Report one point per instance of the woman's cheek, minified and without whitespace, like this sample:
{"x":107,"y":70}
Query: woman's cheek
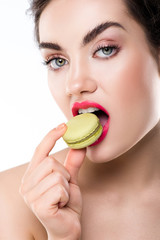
{"x":130,"y":85}
{"x":57,"y":89}
{"x":133,"y":96}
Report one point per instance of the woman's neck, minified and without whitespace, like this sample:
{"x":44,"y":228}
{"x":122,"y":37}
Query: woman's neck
{"x":133,"y":171}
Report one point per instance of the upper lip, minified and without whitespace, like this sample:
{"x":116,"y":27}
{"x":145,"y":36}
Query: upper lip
{"x":86,"y":104}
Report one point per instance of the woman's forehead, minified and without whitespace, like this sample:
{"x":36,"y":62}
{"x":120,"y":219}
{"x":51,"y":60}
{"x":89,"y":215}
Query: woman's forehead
{"x":62,"y":17}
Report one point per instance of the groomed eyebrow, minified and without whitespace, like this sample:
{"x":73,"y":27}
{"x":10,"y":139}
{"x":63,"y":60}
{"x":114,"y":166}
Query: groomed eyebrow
{"x":49,"y":45}
{"x":90,"y":36}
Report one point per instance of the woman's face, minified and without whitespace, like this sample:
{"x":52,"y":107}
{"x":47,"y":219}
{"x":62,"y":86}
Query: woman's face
{"x":98,"y":56}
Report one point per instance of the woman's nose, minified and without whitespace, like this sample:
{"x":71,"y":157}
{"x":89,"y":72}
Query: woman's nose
{"x":79,"y":81}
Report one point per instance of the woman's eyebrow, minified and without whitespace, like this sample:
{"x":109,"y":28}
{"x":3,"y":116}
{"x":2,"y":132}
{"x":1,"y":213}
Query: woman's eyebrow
{"x":90,"y":36}
{"x":50,"y":45}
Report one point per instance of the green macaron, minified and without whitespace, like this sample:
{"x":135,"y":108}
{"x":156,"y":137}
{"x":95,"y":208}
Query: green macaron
{"x":82,"y":130}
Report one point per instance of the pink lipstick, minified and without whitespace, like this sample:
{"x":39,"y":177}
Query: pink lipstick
{"x":100,"y":112}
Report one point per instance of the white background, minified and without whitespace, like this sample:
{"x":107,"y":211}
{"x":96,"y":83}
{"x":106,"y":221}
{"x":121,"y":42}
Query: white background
{"x":27,"y":110}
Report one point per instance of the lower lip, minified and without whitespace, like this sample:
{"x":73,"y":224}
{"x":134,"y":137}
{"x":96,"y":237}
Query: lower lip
{"x":103,"y":135}
{"x":86,"y":105}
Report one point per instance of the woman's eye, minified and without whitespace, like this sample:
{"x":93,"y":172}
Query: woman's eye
{"x":56,"y":63}
{"x":106,"y":52}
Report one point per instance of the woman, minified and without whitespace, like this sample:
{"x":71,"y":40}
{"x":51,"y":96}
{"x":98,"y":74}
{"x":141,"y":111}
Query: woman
{"x":102,"y":54}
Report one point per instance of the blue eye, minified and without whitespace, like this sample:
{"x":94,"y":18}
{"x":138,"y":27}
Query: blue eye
{"x":56,"y":63}
{"x":106,"y":51}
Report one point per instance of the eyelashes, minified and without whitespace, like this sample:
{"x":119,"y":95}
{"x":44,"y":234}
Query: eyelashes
{"x":104,"y":52}
{"x":55,"y":62}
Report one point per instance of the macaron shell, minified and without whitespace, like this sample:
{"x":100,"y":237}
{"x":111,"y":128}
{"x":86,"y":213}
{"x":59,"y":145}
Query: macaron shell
{"x":87,"y":142}
{"x":82,"y":131}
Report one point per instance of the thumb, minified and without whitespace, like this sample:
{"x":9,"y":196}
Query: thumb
{"x":73,"y":162}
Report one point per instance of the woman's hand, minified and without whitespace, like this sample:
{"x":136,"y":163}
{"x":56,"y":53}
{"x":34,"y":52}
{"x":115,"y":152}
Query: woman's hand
{"x":50,"y":189}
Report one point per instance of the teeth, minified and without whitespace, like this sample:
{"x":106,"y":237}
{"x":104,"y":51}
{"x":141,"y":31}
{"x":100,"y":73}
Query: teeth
{"x":90,"y":110}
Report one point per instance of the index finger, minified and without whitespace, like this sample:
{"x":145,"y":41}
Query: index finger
{"x":46,"y":145}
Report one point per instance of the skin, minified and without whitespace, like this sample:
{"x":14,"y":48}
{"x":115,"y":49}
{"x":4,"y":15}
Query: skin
{"x":116,"y":181}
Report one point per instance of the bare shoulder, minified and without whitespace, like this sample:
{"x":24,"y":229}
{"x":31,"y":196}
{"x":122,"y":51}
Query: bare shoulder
{"x":16,"y":220}
{"x":10,"y":181}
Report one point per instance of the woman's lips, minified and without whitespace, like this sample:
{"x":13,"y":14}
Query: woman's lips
{"x":88,"y":104}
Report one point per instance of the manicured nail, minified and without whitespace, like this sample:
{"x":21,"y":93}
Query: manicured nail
{"x":61,"y":126}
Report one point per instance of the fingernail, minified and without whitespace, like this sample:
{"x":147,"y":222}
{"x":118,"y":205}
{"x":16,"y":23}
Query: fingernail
{"x":61,"y":126}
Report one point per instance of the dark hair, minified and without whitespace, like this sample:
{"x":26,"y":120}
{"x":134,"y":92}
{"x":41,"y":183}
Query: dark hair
{"x":145,"y":12}
{"x":36,"y":8}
